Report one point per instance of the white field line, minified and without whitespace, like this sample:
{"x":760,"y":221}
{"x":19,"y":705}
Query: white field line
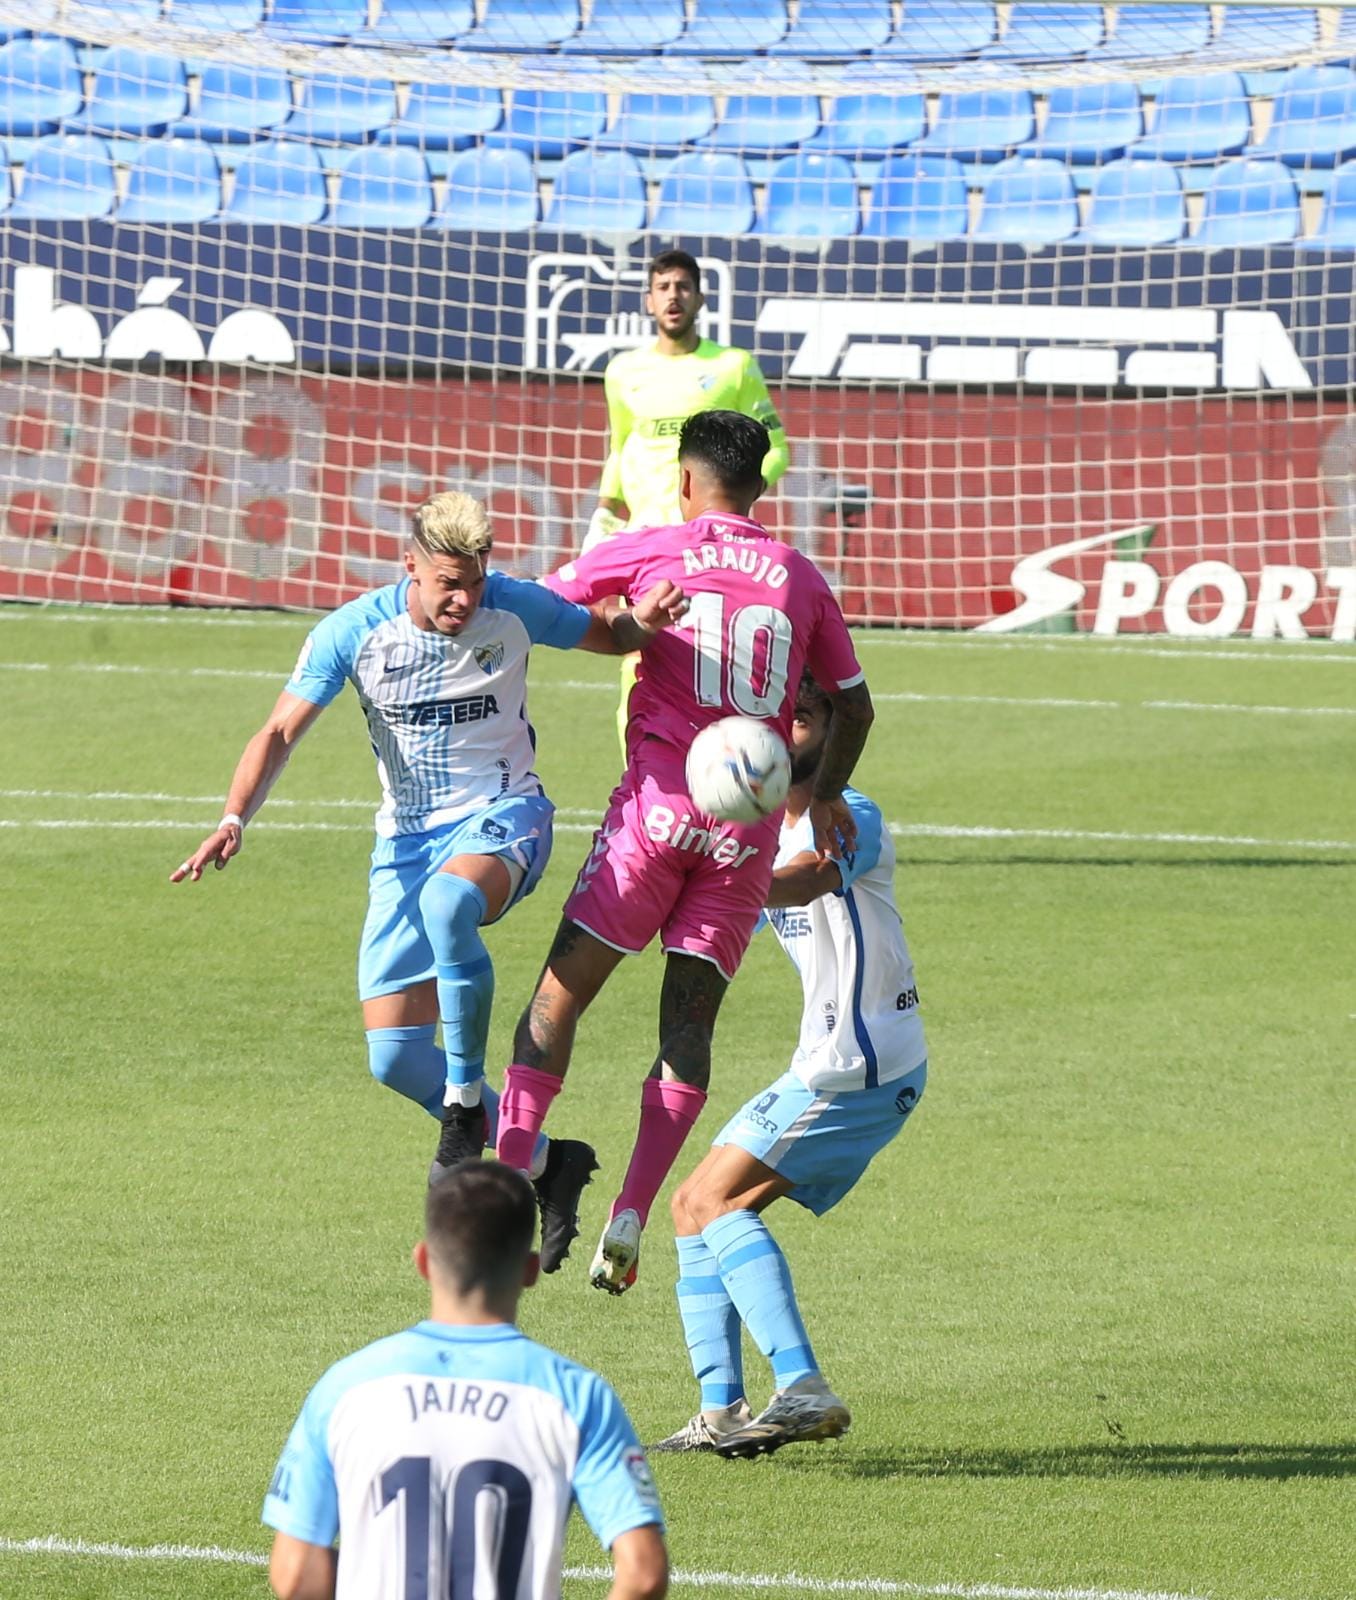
{"x":692,"y":1578}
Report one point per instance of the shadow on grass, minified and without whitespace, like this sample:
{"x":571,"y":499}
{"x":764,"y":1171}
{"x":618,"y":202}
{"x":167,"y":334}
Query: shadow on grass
{"x":1250,"y":862}
{"x":1273,"y":1461}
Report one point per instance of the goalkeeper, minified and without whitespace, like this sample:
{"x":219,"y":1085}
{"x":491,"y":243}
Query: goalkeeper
{"x":651,"y":392}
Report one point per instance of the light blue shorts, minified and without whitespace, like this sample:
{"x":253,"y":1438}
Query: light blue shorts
{"x":822,"y":1142}
{"x":394,"y":952}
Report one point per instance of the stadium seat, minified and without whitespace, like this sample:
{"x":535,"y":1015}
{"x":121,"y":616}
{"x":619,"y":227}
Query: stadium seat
{"x":706,"y":193}
{"x":280,"y":182}
{"x":628,"y":27}
{"x":418,"y":23}
{"x":6,"y":188}
{"x":1048,"y":33}
{"x":317,"y":21}
{"x":445,"y":116}
{"x":1028,"y":200}
{"x":761,"y":124}
{"x":1197,"y":119}
{"x":172,"y":180}
{"x":942,"y":30}
{"x":1346,"y":30}
{"x":835,"y":30}
{"x":384,"y":186}
{"x":134,"y":93}
{"x":549,"y":123}
{"x":38,"y":17}
{"x":1337,"y":226}
{"x":217,"y":16}
{"x":1134,"y":203}
{"x":488,"y":191}
{"x":731,"y":28}
{"x":126,"y":16}
{"x":527,"y":25}
{"x":921,"y":198}
{"x":1313,"y":123}
{"x":1258,"y":32}
{"x":341,"y":110}
{"x":597,"y":191}
{"x":40,"y":86}
{"x":660,"y":121}
{"x":236,"y":104}
{"x":810,"y":197}
{"x":980,"y":125}
{"x":67,"y":177}
{"x":1156,"y":33}
{"x":1248,"y":204}
{"x":1088,"y":124}
{"x":870,"y":124}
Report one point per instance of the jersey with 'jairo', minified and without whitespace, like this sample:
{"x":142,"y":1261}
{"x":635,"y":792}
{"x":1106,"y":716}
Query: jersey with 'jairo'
{"x":446,"y":1458}
{"x":447,"y":715}
{"x":861,"y":1024}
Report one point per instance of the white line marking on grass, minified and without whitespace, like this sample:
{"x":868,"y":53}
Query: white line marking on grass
{"x":692,"y":1578}
{"x":211,"y":616}
{"x":1333,"y":652}
{"x":1262,"y":711}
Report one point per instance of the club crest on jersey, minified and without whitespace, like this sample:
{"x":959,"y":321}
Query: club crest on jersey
{"x":490,"y":657}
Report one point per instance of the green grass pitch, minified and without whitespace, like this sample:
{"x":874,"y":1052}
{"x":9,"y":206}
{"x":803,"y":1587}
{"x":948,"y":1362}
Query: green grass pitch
{"x":1092,"y":1311}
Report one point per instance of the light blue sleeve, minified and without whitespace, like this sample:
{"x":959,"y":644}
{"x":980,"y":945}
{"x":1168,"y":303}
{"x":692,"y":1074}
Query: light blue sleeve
{"x":302,"y":1499}
{"x":549,"y":619}
{"x":326,"y":658}
{"x":613,"y":1486}
{"x":870,"y":827}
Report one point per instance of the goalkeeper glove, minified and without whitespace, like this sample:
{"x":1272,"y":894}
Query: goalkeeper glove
{"x":603,"y":524}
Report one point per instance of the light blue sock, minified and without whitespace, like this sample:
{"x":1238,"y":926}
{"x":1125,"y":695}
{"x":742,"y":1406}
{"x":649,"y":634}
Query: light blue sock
{"x":710,"y":1325}
{"x":408,"y":1061}
{"x":453,"y":909}
{"x":758,"y":1280}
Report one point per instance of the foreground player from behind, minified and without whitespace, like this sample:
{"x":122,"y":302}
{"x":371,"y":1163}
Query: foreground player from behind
{"x":858,"y":1072}
{"x":758,"y":612}
{"x":446,"y":1457}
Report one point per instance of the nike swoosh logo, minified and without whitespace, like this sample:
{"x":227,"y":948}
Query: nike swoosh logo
{"x":399,"y":667}
{"x":1049,"y":594}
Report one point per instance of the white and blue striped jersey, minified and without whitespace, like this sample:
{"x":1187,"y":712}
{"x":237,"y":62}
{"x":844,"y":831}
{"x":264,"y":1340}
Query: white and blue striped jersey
{"x":861,"y":1024}
{"x":447,"y":715}
{"x":447,"y":1459}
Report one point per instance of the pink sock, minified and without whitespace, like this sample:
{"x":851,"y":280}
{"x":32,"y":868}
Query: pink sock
{"x":523,"y":1105}
{"x":667,"y":1113}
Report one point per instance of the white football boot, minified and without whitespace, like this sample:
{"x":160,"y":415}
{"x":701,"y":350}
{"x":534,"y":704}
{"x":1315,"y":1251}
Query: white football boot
{"x":705,"y":1431}
{"x":805,"y":1409}
{"x":614,"y":1262}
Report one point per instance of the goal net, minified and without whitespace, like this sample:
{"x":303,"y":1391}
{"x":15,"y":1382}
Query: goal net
{"x":1054,"y":300}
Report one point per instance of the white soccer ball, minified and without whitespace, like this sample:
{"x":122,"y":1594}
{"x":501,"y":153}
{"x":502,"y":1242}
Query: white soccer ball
{"x":738,"y":770}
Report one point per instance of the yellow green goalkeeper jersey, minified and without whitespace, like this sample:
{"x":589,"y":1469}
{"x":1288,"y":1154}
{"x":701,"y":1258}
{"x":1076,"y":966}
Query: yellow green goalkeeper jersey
{"x":650,"y":396}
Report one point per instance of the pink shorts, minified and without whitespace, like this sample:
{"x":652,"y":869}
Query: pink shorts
{"x":658,"y":865}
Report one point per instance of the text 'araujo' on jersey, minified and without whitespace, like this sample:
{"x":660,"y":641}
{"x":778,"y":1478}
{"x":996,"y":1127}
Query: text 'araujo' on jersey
{"x":861,"y":1024}
{"x":450,"y":1458}
{"x":447,"y":714}
{"x":759,"y":613}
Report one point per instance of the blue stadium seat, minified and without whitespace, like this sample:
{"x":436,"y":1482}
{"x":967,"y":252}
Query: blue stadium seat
{"x":1346,"y":29}
{"x":1135,"y":203}
{"x":1197,"y":119}
{"x":980,"y":125}
{"x":628,"y":27}
{"x":810,"y":197}
{"x":384,"y":186}
{"x":6,"y":188}
{"x":280,"y":182}
{"x":217,"y":16}
{"x":39,"y":16}
{"x":1028,"y":200}
{"x":1313,"y":123}
{"x":704,"y":193}
{"x":341,"y":110}
{"x":40,"y":86}
{"x":518,"y":25}
{"x":318,"y":21}
{"x":662,"y":121}
{"x":921,"y":198}
{"x":942,"y":30}
{"x":1248,"y":204}
{"x":134,"y":93}
{"x":236,"y":104}
{"x":759,"y":124}
{"x":1257,"y":32}
{"x":1088,"y":124}
{"x":488,"y":191}
{"x":835,"y":30}
{"x":172,"y":180}
{"x":128,"y":15}
{"x":67,"y":177}
{"x":597,"y":191}
{"x":1156,"y":33}
{"x":549,"y":123}
{"x":418,"y":23}
{"x":1048,"y":33}
{"x":445,"y":116}
{"x":870,"y":124}
{"x":732,"y":28}
{"x":1337,"y":226}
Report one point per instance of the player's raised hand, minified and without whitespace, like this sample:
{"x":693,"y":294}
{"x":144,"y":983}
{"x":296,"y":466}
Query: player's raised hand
{"x":662,"y":606}
{"x":835,"y":829}
{"x":217,"y":847}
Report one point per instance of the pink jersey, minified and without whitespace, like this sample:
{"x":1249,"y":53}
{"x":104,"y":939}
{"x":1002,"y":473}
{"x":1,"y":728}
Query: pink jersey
{"x":760,"y":613}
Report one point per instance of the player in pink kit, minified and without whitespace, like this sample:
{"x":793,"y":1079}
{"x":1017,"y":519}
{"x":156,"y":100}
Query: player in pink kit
{"x":759,"y":613}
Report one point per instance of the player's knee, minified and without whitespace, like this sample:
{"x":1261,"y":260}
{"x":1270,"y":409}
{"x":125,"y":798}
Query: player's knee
{"x":693,"y":1205}
{"x":398,"y":1056}
{"x":452,"y":903}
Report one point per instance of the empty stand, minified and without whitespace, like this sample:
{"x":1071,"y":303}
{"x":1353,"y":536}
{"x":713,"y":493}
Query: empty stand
{"x":980,"y":125}
{"x":281,"y":182}
{"x":1048,"y":33}
{"x":1135,"y":204}
{"x":1249,"y":204}
{"x":1030,"y":201}
{"x":1337,"y":225}
{"x":941,"y":30}
{"x":762,"y":124}
{"x":317,"y":21}
{"x":337,"y":110}
{"x":731,"y":28}
{"x":835,"y":30}
{"x":420,"y":24}
{"x":661,"y":121}
{"x":629,"y":27}
{"x":218,"y":16}
{"x":40,"y":86}
{"x":1089,"y":124}
{"x":489,"y":191}
{"x":444,"y":116}
{"x":67,"y":177}
{"x":1155,"y":33}
{"x":599,"y":191}
{"x":172,"y":180}
{"x":1198,"y":119}
{"x":523,"y":25}
{"x":870,"y":124}
{"x":810,"y":197}
{"x":1313,"y":122}
{"x":920,"y":198}
{"x":705,"y":193}
{"x":384,"y":186}
{"x":135,"y":92}
{"x":236,"y":104}
{"x":549,"y":123}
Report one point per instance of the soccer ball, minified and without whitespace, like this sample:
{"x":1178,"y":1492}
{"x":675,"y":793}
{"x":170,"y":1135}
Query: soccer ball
{"x":738,"y":770}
